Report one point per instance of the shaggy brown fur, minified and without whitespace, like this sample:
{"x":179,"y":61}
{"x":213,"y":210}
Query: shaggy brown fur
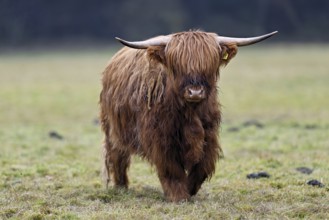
{"x":143,"y":111}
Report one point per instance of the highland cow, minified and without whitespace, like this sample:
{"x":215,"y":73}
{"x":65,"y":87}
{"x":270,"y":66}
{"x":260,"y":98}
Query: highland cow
{"x":159,"y":100}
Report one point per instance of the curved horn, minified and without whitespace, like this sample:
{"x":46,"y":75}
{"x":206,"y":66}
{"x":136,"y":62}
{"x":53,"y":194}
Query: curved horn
{"x":156,"y":41}
{"x":244,"y":41}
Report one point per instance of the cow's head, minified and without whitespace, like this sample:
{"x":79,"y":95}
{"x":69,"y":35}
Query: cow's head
{"x":193,"y":59}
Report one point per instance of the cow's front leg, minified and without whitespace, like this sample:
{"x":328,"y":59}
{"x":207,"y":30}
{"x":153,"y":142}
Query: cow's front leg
{"x":174,"y":182}
{"x":206,"y":166}
{"x":196,"y":177}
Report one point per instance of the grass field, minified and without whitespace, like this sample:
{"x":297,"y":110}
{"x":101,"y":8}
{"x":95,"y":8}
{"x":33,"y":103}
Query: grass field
{"x":276,"y":118}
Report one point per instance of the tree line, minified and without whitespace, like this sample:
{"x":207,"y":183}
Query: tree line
{"x":25,"y":22}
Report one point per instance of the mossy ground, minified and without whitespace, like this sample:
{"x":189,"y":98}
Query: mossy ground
{"x":281,"y":92}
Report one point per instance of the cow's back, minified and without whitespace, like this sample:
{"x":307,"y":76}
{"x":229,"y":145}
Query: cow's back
{"x":123,"y":75}
{"x":126,"y":85}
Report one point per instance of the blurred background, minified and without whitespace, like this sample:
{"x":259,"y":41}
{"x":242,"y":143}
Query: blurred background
{"x":274,"y":98}
{"x":40,"y":22}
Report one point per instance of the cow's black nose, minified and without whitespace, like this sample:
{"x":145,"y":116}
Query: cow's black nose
{"x":194,"y":94}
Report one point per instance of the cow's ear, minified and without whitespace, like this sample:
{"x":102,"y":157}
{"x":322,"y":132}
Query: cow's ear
{"x":227,"y":53}
{"x":157,"y":53}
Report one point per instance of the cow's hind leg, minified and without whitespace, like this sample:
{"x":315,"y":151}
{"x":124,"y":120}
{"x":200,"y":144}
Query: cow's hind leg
{"x":107,"y":167}
{"x":121,"y":162}
{"x":116,"y":159}
{"x":116,"y":164}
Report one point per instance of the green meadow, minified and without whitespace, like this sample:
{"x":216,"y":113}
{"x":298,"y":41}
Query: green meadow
{"x":275,"y":103}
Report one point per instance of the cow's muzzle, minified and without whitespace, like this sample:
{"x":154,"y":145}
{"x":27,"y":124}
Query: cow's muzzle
{"x":194,"y":93}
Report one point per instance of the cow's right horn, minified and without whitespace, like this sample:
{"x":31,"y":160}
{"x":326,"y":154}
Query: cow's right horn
{"x":156,"y":41}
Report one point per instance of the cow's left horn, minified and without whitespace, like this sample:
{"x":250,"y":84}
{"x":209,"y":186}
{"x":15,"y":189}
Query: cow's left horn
{"x":156,"y":41}
{"x":243,"y":41}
